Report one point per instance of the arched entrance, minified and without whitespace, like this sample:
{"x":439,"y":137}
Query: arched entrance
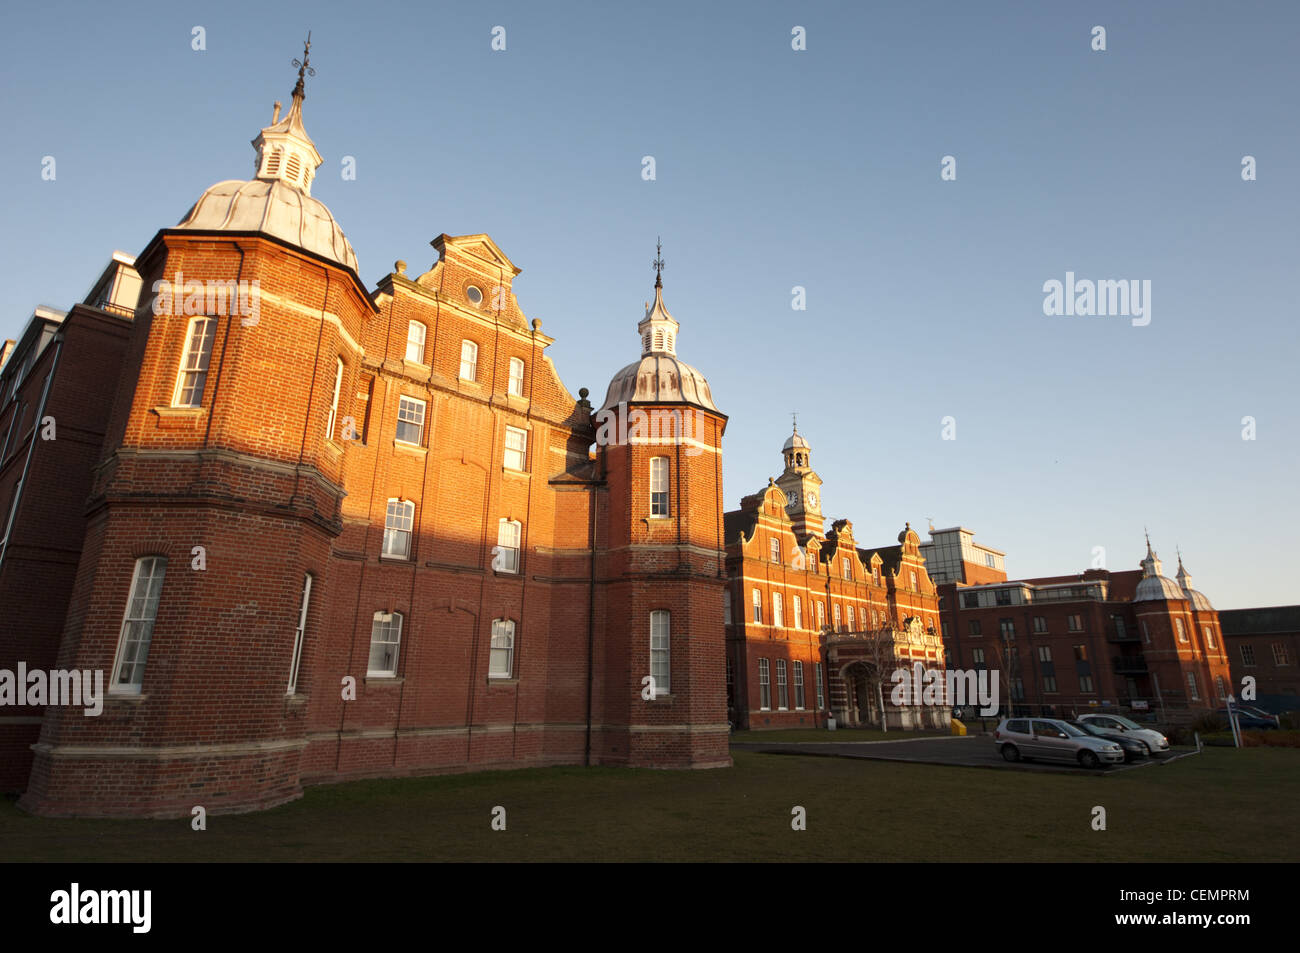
{"x":862,"y":708}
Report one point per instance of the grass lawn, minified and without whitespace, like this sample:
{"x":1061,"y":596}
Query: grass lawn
{"x":1222,"y":805}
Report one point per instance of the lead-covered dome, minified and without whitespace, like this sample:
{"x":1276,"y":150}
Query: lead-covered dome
{"x":1152,"y":585}
{"x":277,"y":200}
{"x":1197,"y":599}
{"x":275,"y":209}
{"x":660,"y":377}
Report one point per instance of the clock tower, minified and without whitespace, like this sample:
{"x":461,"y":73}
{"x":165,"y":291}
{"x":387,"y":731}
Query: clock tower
{"x":802,"y":487}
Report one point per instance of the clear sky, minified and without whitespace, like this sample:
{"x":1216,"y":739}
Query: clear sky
{"x":774,"y":169}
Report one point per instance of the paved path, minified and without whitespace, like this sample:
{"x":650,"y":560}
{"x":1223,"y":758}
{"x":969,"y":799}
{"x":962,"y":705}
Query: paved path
{"x":973,"y":751}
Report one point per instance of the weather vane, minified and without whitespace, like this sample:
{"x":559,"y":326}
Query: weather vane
{"x":658,"y":263}
{"x":794,"y":416}
{"x":304,"y":66}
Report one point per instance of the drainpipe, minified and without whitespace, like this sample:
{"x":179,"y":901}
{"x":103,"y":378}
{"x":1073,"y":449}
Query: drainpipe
{"x":31,"y":447}
{"x":591,"y":620}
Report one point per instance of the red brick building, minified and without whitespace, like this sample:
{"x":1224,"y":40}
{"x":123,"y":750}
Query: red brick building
{"x":1265,"y":644}
{"x":313,"y":531}
{"x":1129,"y":641}
{"x":815,"y":624}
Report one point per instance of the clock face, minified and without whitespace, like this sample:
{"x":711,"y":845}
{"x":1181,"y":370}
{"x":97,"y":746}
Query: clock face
{"x":793,"y":498}
{"x":812,"y":499}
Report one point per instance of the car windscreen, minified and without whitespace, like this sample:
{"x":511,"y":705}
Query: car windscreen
{"x":1125,"y":722}
{"x":1088,"y":729}
{"x":1072,"y":731}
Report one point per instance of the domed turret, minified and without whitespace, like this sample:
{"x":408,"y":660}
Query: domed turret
{"x":660,"y":377}
{"x":1197,"y":599}
{"x":277,"y":201}
{"x":797,"y":451}
{"x":1152,"y":585}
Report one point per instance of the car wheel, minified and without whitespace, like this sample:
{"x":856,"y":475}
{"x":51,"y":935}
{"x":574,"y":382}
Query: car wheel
{"x":1146,"y":749}
{"x":1011,"y":752}
{"x":1088,"y":759}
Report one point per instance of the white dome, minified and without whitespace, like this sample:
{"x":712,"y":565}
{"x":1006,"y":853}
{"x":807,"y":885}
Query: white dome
{"x":796,"y":440}
{"x":1157,"y":587}
{"x":660,"y":378}
{"x":274,"y":209}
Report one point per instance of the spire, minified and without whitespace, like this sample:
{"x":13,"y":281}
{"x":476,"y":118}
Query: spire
{"x":658,"y":329}
{"x":1150,"y":565}
{"x":285,"y":153}
{"x":1184,"y":577}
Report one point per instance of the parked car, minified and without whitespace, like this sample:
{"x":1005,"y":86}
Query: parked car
{"x":1053,"y":740}
{"x":1134,"y":750}
{"x":1156,"y":742}
{"x":1246,"y":720}
{"x":1258,"y":713}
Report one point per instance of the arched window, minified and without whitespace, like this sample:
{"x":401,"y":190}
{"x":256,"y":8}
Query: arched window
{"x":334,"y":402}
{"x":468,"y":361}
{"x":502,"y":654}
{"x":415,"y":332}
{"x":506,"y":554}
{"x":398,"y":524}
{"x":194,"y":363}
{"x":660,"y":626}
{"x":385,"y":638}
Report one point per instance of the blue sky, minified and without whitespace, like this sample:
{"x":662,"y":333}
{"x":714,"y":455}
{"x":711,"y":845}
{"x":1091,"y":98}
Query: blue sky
{"x":778,"y":168}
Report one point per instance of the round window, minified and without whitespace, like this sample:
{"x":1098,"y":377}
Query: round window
{"x":475,"y":296}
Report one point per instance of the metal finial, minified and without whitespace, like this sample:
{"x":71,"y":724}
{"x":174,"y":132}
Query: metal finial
{"x":658,"y":264}
{"x":303,"y":67}
{"x":794,"y":416}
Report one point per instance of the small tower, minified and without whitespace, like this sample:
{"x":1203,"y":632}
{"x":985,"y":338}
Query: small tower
{"x":802,"y":487}
{"x":658,"y":437}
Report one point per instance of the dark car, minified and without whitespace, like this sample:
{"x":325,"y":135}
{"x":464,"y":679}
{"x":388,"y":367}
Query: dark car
{"x":1247,"y":721}
{"x":1134,"y":750}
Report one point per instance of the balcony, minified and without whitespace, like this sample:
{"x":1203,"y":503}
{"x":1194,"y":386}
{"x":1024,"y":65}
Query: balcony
{"x":1130,"y":665}
{"x":1129,"y":635}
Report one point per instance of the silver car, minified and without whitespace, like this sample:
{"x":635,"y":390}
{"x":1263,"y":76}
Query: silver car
{"x":1053,"y":740}
{"x":1156,"y":742}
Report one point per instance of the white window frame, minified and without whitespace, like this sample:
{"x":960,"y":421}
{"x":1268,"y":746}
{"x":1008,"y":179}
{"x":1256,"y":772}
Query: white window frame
{"x":416,"y":334}
{"x":510,"y":534}
{"x":799,"y":697}
{"x":764,"y":686}
{"x":1208,"y":632}
{"x":515,"y":384}
{"x":334,"y":402}
{"x":756,"y":600}
{"x":660,"y":499}
{"x":137,"y":624}
{"x":778,"y":610}
{"x":468,"y":360}
{"x":502,"y":647}
{"x":850,"y":617}
{"x":798,"y":612}
{"x":821,"y":615}
{"x":821,"y":695}
{"x":408,"y":406}
{"x":399,"y":526}
{"x":298,"y":636}
{"x":516,"y":458}
{"x":385,"y":624}
{"x":195,"y":360}
{"x":661,"y":651}
{"x":774,"y":550}
{"x":835,"y":615}
{"x":1194,"y":690}
{"x":1180,"y":629}
{"x":782,"y":689}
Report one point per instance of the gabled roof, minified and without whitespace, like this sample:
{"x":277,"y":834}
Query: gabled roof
{"x":481,"y":247}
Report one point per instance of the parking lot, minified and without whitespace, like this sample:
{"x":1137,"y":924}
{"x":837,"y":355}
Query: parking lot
{"x":972,"y":751}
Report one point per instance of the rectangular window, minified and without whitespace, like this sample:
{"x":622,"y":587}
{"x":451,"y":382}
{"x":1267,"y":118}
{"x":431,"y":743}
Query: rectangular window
{"x":1182,"y":632}
{"x":821,"y":696}
{"x":990,"y":560}
{"x":1209,"y":636}
{"x":415,"y":342}
{"x":764,"y":686}
{"x":798,"y":686}
{"x":1146,"y":635}
{"x":947,"y":632}
{"x":1120,"y":630}
{"x":1192,"y":691}
{"x":778,"y":610}
{"x":848,"y":568}
{"x":298,"y":636}
{"x":915,"y":585}
{"x":1085,"y":684}
{"x":852,"y":624}
{"x":334,"y":403}
{"x":875,"y":576}
{"x":782,"y":700}
{"x":1044,"y":653}
{"x":975,"y":627}
{"x":821,"y":615}
{"x":835,"y":611}
{"x":385,"y":637}
{"x":658,"y":486}
{"x":1248,"y":655}
{"x":1040,"y":624}
{"x":874,"y":620}
{"x":137,"y":624}
{"x":410,"y":420}
{"x":194,"y":364}
{"x":1280,"y":654}
{"x":1007,"y":627}
{"x":516,"y":386}
{"x":507,"y":551}
{"x":1002,"y":597}
{"x":775,"y":549}
{"x":970,"y":600}
{"x":1075,"y":623}
{"x":757,"y":599}
{"x":516,"y":449}
{"x":659,"y":632}
{"x":399,"y":521}
{"x":1219,"y":687}
{"x":501,"y":654}
{"x":977,"y":658}
{"x":1049,"y":684}
{"x":468,"y":361}
{"x":726,"y":607}
{"x":798,"y":613}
